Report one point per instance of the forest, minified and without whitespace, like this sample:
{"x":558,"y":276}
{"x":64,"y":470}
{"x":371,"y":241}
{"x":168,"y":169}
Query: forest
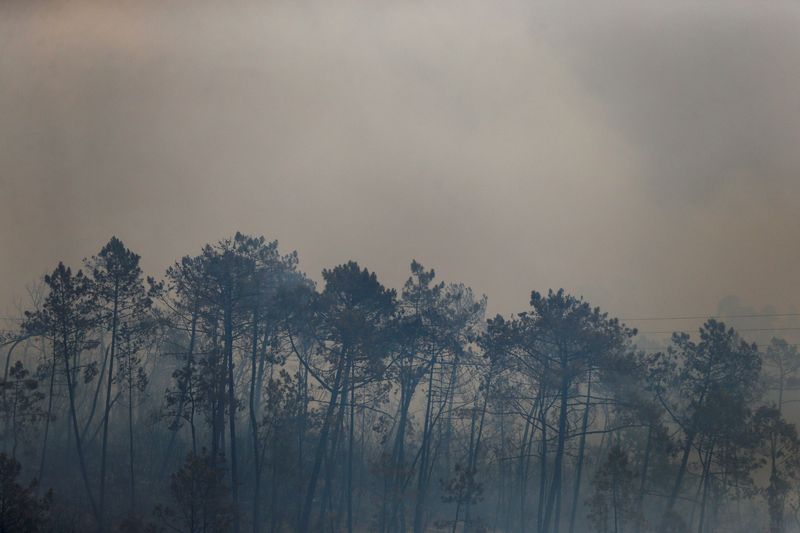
{"x":232,"y":393}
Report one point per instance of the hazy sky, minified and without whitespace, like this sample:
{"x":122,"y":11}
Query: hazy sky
{"x":643,"y":154}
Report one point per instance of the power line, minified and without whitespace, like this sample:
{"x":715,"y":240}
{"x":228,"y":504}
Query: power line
{"x":737,"y":329}
{"x":703,"y":317}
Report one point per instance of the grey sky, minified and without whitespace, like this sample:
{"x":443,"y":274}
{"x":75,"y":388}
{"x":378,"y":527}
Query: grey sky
{"x":643,"y":154}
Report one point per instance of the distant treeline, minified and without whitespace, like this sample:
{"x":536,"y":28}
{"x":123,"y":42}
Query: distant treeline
{"x":234,"y":394}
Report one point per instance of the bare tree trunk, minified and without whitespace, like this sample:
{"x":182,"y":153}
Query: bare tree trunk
{"x":524,"y":453}
{"x":254,"y":424}
{"x":581,"y":448}
{"x":615,"y":501}
{"x":553,"y":510}
{"x":396,"y":479}
{"x":96,"y":396}
{"x":47,"y":420}
{"x":130,"y":434}
{"x":182,"y":399}
{"x":643,"y":482}
{"x":107,"y":410}
{"x":676,"y":487}
{"x":301,"y":442}
{"x":330,"y":461}
{"x":350,"y":461}
{"x":427,"y":428}
{"x":78,"y":444}
{"x":543,"y":411}
{"x":706,"y":477}
{"x":232,"y":408}
{"x":320,"y":451}
{"x":475,"y":450}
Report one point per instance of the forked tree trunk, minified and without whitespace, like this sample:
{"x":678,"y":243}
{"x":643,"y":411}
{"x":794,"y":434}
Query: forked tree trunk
{"x":319,"y":454}
{"x":581,"y":449}
{"x":74,"y":417}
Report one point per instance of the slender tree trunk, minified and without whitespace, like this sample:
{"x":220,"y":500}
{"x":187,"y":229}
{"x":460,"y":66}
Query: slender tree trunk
{"x":218,"y":366}
{"x":130,"y":435}
{"x":192,"y":427}
{"x":13,"y":418}
{"x":107,"y":410}
{"x":232,"y":407}
{"x":475,"y":450}
{"x":776,"y":494}
{"x":182,"y":400}
{"x":254,"y":424}
{"x":615,"y":501}
{"x":676,"y":487}
{"x":47,"y":420}
{"x":522,"y":471}
{"x":466,"y":495}
{"x":576,"y":491}
{"x":350,"y":461}
{"x":320,"y":451}
{"x":503,"y":498}
{"x":330,"y":461}
{"x":301,"y":443}
{"x":96,"y":396}
{"x":687,"y":449}
{"x":422,"y":484}
{"x":542,"y":469}
{"x":643,"y":481}
{"x":273,"y":500}
{"x":78,"y":444}
{"x":706,"y":477}
{"x":262,"y":358}
{"x":448,"y":428}
{"x":397,"y":475}
{"x":553,"y":510}
{"x":455,"y":519}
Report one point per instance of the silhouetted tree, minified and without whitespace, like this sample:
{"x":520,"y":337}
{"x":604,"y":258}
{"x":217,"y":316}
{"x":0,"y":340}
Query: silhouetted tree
{"x":67,"y":317}
{"x":707,"y":388}
{"x":20,"y":509}
{"x":201,"y":501}
{"x":613,"y":504}
{"x":780,"y":448}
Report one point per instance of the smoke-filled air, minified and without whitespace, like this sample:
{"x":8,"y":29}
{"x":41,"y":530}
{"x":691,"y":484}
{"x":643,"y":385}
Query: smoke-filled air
{"x":399,"y":266}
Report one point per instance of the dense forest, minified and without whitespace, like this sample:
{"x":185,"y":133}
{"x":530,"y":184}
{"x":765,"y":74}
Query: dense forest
{"x":232,"y":393}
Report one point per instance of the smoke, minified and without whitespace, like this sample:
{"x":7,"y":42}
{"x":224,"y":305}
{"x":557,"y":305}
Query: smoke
{"x":641,"y":154}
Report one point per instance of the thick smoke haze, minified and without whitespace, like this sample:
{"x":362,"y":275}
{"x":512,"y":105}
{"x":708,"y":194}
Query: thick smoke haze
{"x":643,"y":154}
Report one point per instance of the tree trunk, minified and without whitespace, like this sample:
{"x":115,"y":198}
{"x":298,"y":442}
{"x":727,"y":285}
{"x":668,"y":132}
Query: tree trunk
{"x":107,"y":410}
{"x":397,"y":475}
{"x":350,"y":462}
{"x":254,"y":424}
{"x":232,"y":408}
{"x":524,"y":461}
{"x":330,"y":461}
{"x":182,"y":400}
{"x":78,"y":444}
{"x":676,"y":487}
{"x":422,"y":484}
{"x":553,"y":510}
{"x":96,"y":396}
{"x":475,"y":450}
{"x":319,"y":454}
{"x":706,"y":478}
{"x":581,"y":448}
{"x":542,"y":468}
{"x":130,"y":435}
{"x":47,"y":421}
